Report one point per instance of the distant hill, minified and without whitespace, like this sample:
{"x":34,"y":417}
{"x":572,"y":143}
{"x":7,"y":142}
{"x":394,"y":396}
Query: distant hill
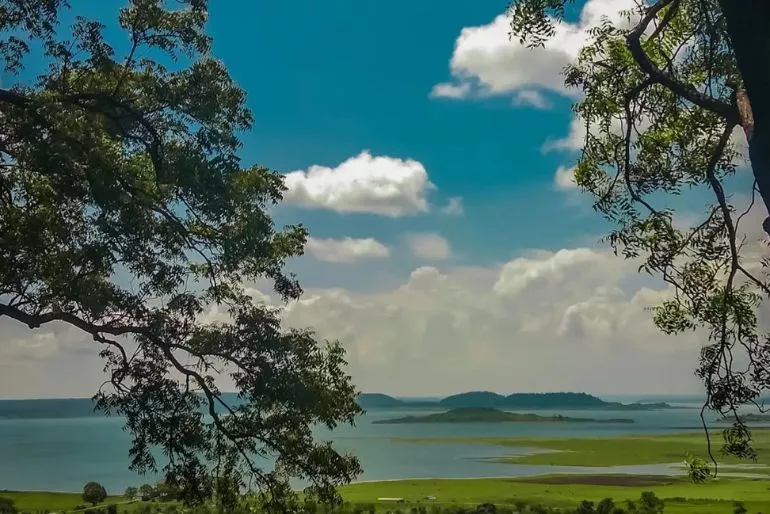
{"x":542,"y":401}
{"x":47,"y":408}
{"x":56,"y":408}
{"x":491,"y":415}
{"x":377,"y":400}
{"x":582,"y":400}
{"x":384,"y":401}
{"x":474,"y":399}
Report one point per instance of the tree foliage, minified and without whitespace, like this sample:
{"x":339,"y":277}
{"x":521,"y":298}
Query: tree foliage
{"x":125,"y":212}
{"x":94,"y":492}
{"x":663,"y":92}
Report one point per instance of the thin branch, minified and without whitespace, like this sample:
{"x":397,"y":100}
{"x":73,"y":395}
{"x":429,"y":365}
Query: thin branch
{"x":686,"y":91}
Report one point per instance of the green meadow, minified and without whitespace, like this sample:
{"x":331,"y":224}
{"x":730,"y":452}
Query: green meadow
{"x":34,"y":501}
{"x":679,"y":495}
{"x":614,"y":451}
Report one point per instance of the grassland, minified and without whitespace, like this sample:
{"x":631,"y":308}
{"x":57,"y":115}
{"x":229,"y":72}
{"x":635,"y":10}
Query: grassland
{"x":33,"y":501}
{"x":679,"y":495}
{"x":614,"y":451}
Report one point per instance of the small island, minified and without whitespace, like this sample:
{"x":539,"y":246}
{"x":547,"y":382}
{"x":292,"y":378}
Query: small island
{"x":748,"y":418}
{"x":491,"y":415}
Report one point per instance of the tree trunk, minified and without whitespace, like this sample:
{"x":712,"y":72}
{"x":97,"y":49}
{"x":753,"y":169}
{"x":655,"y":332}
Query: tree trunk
{"x":748,"y":22}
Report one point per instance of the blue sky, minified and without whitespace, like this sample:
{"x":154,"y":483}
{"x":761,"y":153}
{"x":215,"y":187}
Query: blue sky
{"x":345,"y":76}
{"x":513,"y":292}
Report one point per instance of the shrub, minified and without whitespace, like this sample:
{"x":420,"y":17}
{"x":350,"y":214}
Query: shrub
{"x":486,"y":508}
{"x":112,"y":509}
{"x":697,"y":469}
{"x":7,"y":506}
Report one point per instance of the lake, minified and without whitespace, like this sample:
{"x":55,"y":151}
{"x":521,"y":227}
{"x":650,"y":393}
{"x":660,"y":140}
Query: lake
{"x":62,"y":454}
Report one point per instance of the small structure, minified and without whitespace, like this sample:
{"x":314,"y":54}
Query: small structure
{"x":400,"y":500}
{"x":430,"y":497}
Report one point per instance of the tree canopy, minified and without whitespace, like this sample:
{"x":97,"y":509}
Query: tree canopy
{"x":125,"y":212}
{"x":662,"y":94}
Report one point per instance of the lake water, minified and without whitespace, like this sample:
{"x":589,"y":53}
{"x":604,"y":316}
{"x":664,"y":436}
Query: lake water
{"x":62,"y":454}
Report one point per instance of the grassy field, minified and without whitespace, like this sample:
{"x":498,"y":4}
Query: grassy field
{"x":33,"y":501}
{"x":565,"y":491}
{"x":615,"y":451}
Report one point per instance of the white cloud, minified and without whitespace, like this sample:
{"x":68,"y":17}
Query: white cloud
{"x":486,"y":61}
{"x":531,"y":98}
{"x":429,"y":246}
{"x":346,"y":250}
{"x":564,"y":178}
{"x":447,"y":90}
{"x":571,"y":320}
{"x":365,"y":183}
{"x":567,"y":320}
{"x":454,"y":207}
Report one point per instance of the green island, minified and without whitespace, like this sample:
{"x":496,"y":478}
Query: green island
{"x":492,"y":415}
{"x":747,"y":418}
{"x":522,"y":401}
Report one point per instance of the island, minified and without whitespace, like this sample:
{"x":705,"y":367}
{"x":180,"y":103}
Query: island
{"x":518,"y":401}
{"x":748,"y":418}
{"x":491,"y":415}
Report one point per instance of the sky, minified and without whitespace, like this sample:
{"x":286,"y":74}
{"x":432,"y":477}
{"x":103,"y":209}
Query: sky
{"x":431,"y":158}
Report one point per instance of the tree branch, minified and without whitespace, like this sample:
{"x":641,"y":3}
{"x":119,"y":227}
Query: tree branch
{"x":686,"y":91}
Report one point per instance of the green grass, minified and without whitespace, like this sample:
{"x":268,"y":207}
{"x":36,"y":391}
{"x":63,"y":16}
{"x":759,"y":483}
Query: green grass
{"x":614,"y":451}
{"x":680,"y":496}
{"x":32,"y":501}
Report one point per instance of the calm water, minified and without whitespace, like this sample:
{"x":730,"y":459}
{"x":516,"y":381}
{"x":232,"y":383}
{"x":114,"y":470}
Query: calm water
{"x":62,"y":454}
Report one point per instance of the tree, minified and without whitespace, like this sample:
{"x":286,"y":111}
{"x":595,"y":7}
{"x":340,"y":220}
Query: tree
{"x":146,"y":492}
{"x":663,"y":92}
{"x":131,"y":492}
{"x":94,"y":492}
{"x":125,"y":212}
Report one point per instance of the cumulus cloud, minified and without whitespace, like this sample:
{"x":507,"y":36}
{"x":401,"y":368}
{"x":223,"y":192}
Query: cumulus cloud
{"x":382,"y":185}
{"x":429,"y":246}
{"x":346,"y":250}
{"x":573,"y":319}
{"x":485,"y":60}
{"x":566,"y":320}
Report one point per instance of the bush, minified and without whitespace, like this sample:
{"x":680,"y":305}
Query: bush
{"x":7,"y":506}
{"x":486,"y":508}
{"x":697,"y":469}
{"x":112,"y":509}
{"x":94,"y":492}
